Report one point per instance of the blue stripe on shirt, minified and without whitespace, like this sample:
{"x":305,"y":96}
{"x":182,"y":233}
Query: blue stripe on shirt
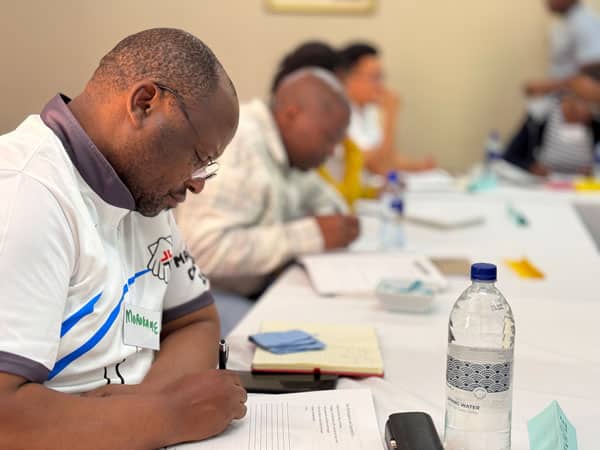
{"x":62,"y":363}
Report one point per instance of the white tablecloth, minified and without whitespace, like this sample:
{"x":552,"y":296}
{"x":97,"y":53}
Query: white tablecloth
{"x":557,"y":354}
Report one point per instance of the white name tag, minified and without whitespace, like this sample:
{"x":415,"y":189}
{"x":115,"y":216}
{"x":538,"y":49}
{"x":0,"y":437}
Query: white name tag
{"x":141,"y":327}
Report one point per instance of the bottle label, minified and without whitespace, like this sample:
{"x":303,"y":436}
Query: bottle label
{"x":479,"y":379}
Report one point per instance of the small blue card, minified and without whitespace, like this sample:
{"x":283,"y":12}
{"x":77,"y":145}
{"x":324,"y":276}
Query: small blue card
{"x":551,"y":430}
{"x":292,"y":341}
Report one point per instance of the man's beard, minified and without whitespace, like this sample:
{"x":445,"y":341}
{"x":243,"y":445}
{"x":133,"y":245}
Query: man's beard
{"x":148,"y":204}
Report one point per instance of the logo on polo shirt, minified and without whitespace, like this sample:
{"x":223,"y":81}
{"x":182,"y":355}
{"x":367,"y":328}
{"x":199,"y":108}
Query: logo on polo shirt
{"x":163,"y":261}
{"x":160,"y":261}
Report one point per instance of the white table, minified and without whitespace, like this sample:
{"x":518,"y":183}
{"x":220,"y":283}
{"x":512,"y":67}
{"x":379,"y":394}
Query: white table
{"x":557,"y":352}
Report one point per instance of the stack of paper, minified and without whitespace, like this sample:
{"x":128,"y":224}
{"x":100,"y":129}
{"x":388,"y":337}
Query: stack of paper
{"x":321,"y":420}
{"x":361,"y":272}
{"x":351,"y":350}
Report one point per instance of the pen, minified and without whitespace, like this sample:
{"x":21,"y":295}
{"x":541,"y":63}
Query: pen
{"x":518,"y":217}
{"x":223,"y":354}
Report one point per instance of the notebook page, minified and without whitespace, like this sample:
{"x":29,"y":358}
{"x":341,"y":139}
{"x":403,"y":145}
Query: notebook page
{"x":349,"y":349}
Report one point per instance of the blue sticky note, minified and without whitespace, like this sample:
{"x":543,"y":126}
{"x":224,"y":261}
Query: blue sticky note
{"x":275,"y":338}
{"x":551,"y":430}
{"x":317,"y":345}
{"x":292,"y":341}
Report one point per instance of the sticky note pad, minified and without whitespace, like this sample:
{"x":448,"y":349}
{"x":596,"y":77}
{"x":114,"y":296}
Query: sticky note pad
{"x":289,"y":341}
{"x":525,"y":268}
{"x":551,"y":430}
{"x":587,"y":185}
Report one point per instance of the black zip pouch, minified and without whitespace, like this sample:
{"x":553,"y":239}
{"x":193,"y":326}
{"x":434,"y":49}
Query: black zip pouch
{"x":411,"y":431}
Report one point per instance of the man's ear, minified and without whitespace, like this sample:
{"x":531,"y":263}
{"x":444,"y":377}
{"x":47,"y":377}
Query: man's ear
{"x":290,"y":113}
{"x":142,"y":99}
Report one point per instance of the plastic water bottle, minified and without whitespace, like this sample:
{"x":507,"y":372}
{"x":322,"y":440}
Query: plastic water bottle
{"x":493,"y":152}
{"x":393,"y":189}
{"x":479,"y":372}
{"x":597,"y":162}
{"x":392,"y":225}
{"x":392,"y":214}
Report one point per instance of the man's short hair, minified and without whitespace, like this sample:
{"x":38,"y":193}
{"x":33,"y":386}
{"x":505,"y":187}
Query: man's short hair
{"x":308,"y":54}
{"x":352,"y":53}
{"x":170,"y":56}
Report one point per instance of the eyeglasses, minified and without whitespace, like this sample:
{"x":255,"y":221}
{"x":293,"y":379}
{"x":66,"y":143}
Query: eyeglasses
{"x":208,"y":170}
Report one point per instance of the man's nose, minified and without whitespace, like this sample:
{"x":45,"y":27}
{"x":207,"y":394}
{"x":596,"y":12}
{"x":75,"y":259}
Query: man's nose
{"x":195,"y":185}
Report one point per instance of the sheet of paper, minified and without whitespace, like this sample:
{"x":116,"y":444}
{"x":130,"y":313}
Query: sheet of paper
{"x":432,"y":215}
{"x":321,"y":420}
{"x":360,"y":272}
{"x":435,"y":180}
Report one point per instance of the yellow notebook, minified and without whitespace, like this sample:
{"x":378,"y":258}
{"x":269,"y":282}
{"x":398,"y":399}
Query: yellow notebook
{"x":351,"y":350}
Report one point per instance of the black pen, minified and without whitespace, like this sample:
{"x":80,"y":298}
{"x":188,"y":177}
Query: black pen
{"x":223,"y":354}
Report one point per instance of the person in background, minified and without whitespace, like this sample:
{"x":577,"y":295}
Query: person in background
{"x":268,"y":206}
{"x":108,"y":331}
{"x":558,"y":134}
{"x":375,"y":112}
{"x":574,"y":46}
{"x":349,"y":180}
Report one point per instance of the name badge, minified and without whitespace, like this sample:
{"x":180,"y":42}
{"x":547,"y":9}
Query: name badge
{"x":141,"y":327}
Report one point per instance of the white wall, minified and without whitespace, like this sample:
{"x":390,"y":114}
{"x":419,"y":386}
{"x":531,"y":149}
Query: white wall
{"x":459,"y":65}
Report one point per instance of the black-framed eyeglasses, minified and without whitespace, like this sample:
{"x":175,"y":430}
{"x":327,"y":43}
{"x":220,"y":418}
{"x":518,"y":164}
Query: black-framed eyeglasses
{"x":208,"y":170}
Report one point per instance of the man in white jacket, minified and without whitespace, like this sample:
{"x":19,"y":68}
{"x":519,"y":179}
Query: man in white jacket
{"x":267,"y":206}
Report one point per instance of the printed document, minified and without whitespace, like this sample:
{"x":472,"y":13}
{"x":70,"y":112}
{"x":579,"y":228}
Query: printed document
{"x":320,"y":420}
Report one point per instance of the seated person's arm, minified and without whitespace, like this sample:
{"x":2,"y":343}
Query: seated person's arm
{"x":538,"y":88}
{"x":585,"y":87}
{"x":188,"y":344}
{"x":34,"y":417}
{"x":227,"y":231}
{"x":190,"y":332}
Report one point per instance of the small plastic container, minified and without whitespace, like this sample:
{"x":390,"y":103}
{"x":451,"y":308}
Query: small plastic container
{"x":405,"y":296}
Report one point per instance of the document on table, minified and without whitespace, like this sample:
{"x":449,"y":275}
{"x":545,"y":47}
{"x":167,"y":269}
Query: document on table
{"x":320,"y":420}
{"x":359,"y":272}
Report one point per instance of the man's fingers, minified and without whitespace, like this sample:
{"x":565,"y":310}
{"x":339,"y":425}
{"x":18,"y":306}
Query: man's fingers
{"x":240,"y":412}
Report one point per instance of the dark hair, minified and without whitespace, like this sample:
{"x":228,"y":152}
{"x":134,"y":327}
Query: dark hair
{"x":352,"y":53}
{"x":308,"y":54}
{"x":171,"y":56}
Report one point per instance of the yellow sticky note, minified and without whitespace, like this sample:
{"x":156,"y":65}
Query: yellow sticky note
{"x":587,"y":185}
{"x":525,"y":269}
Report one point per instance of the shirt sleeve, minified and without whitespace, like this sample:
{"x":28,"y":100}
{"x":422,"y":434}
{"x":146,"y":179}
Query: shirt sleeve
{"x":318,"y":196}
{"x":189,"y":288}
{"x":37,"y":254}
{"x":226,"y":229}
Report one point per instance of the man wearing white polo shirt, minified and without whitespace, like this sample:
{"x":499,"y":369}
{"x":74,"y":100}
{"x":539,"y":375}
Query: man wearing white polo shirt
{"x":99,"y":295}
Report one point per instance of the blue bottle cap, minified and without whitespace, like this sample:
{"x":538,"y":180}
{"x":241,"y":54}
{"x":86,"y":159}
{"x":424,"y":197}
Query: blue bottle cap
{"x":483,"y":272}
{"x":392,"y":176}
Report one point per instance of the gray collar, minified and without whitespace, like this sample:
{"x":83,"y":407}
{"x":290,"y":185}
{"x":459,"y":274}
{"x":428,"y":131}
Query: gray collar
{"x":91,"y":164}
